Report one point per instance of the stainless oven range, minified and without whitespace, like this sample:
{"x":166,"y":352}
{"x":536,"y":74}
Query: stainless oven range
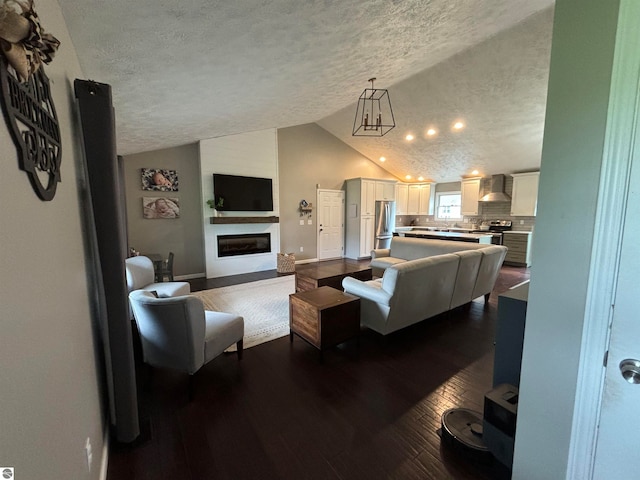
{"x":496,"y":227}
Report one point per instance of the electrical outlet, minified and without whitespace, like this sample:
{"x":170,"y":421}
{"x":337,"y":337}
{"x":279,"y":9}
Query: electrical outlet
{"x":301,"y":222}
{"x":302,"y":249}
{"x":88,"y":451}
{"x":309,"y":222}
{"x":521,"y":222}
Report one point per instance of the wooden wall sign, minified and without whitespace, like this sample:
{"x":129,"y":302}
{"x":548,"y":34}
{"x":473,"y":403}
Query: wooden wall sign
{"x":31,"y":117}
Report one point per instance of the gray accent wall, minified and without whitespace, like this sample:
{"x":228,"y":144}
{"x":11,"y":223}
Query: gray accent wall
{"x":51,"y":379}
{"x":182,"y":236}
{"x":309,"y":156}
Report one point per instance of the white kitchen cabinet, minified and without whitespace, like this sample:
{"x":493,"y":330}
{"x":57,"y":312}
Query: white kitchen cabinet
{"x":470,"y":193}
{"x":402,"y":198}
{"x":385,"y":190}
{"x":360,"y":201}
{"x":368,"y":197}
{"x":413,"y":200}
{"x":425,"y":200}
{"x":366,"y":236}
{"x":524,"y":197}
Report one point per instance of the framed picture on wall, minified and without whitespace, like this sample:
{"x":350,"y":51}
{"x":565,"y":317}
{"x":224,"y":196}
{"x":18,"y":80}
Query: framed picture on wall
{"x":160,"y":207}
{"x":159,"y":179}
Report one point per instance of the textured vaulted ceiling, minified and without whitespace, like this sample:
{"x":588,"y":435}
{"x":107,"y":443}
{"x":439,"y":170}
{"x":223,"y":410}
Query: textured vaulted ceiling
{"x":186,"y":70}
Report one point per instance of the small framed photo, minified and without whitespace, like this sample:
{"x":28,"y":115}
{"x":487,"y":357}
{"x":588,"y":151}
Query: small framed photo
{"x":159,"y":179}
{"x":160,"y":207}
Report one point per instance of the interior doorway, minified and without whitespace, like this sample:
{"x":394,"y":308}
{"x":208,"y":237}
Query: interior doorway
{"x":330,"y":224}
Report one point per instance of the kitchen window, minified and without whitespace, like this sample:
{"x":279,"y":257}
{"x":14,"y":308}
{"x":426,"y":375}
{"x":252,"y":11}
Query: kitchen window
{"x":448,"y":205}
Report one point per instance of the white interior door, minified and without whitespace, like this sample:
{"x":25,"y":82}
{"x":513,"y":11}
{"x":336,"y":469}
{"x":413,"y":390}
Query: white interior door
{"x":330,"y":224}
{"x":616,"y":451}
{"x":619,"y":427}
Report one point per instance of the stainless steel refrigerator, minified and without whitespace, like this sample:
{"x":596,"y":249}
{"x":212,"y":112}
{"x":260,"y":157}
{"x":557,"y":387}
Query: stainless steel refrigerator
{"x":385,"y":223}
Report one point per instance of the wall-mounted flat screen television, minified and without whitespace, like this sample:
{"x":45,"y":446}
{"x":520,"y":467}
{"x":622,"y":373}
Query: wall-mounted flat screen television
{"x":242,"y":194}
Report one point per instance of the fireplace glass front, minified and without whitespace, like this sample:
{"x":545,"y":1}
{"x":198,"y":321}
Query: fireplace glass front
{"x":245,"y":244}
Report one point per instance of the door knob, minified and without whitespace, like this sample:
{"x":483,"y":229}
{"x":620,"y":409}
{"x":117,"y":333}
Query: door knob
{"x":320,"y":229}
{"x":630,"y":369}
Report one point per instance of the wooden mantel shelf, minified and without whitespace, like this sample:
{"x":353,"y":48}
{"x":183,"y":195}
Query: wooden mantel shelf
{"x":227,"y":220}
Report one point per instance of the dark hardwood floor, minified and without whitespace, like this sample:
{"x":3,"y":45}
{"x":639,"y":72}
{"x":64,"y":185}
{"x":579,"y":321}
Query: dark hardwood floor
{"x":280,"y":414}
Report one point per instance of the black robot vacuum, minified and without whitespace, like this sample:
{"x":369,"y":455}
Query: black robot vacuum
{"x":462,"y":431}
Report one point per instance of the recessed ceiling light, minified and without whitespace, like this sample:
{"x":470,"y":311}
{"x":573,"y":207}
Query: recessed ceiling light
{"x":458,"y":125}
{"x":475,"y":172}
{"x":431,"y":132}
{"x":408,"y":177}
{"x":420,"y":178}
{"x":382,"y":159}
{"x":409,"y":137}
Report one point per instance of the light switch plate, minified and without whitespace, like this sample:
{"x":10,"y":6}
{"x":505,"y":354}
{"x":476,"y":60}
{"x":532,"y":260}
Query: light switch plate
{"x":301,"y":222}
{"x":309,"y":222}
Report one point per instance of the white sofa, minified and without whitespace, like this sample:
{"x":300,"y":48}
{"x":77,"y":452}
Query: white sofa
{"x":141,"y":276}
{"x":409,"y":248}
{"x":413,"y":290}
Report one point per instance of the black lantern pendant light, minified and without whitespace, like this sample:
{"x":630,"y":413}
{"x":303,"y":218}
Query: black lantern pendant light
{"x":374,"y":116}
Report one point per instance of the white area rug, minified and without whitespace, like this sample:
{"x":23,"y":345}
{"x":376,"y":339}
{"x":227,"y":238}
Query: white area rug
{"x":264,"y":305}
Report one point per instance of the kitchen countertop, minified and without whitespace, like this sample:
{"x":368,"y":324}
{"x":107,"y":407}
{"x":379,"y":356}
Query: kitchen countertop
{"x":436,"y":229}
{"x":519,"y":232}
{"x":469,"y":237}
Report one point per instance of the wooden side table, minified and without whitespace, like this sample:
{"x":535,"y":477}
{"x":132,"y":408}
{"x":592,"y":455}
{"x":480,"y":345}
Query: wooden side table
{"x":309,"y":277}
{"x":324,"y":317}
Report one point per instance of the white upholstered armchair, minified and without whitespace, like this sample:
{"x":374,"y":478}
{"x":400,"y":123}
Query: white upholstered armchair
{"x":177,"y":332}
{"x":141,"y":276}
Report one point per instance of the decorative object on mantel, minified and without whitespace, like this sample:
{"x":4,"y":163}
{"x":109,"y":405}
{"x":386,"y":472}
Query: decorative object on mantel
{"x":217,"y":204}
{"x":305,"y":208}
{"x":374,"y":115}
{"x":26,"y":95}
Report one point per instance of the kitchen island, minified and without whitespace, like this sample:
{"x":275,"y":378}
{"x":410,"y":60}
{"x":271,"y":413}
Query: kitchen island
{"x":455,"y":236}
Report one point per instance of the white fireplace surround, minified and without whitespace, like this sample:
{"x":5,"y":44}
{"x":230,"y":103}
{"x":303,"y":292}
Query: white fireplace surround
{"x":222,"y":266}
{"x":253,"y":154}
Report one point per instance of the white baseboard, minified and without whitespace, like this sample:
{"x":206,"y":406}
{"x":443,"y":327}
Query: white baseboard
{"x":104,"y":464}
{"x":190,"y":276}
{"x":307,"y":260}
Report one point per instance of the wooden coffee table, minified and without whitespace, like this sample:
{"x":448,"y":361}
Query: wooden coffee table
{"x":324,"y":317}
{"x":318,"y":275}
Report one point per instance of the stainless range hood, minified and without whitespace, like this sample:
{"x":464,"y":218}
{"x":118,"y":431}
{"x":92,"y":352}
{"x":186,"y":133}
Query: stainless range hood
{"x":497,"y":191}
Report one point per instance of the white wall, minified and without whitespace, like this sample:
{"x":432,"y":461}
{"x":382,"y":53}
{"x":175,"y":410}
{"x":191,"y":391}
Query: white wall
{"x":576,"y":122}
{"x":253,"y":154}
{"x":50,"y":399}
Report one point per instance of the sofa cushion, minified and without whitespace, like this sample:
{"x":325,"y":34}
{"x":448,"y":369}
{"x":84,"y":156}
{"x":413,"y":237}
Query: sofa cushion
{"x":420,"y":288}
{"x":384,"y":262}
{"x":410,"y":248}
{"x":221,"y":330}
{"x":168,"y":289}
{"x":492,"y":258}
{"x":466,"y":277}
